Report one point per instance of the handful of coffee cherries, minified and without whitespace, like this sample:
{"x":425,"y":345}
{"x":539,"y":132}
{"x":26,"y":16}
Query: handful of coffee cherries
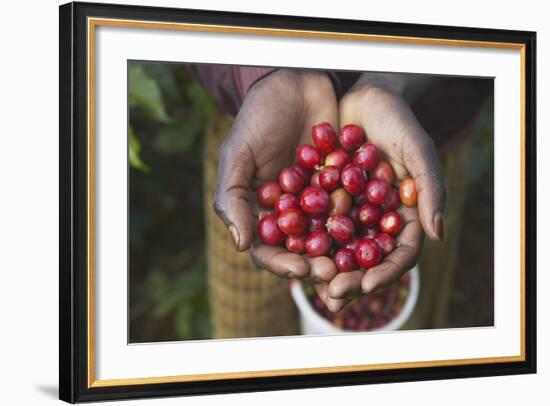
{"x":338,"y":201}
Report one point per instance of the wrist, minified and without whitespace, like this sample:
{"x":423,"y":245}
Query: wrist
{"x":296,"y":85}
{"x":371,"y":96}
{"x":307,"y":80}
{"x":389,"y":82}
{"x":246,"y":77}
{"x":317,"y":84}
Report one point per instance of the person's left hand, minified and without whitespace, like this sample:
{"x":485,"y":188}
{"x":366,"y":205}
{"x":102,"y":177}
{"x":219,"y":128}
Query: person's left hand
{"x":391,"y":125}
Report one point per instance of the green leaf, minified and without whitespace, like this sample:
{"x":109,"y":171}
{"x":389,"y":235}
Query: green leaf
{"x":145,"y":93}
{"x":203,"y":104}
{"x":163,"y":74}
{"x":133,"y":153}
{"x":171,"y":292}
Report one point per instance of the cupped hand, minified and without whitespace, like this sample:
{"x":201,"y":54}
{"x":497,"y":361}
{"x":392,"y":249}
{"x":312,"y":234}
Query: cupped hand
{"x":277,"y":115}
{"x":391,"y":125}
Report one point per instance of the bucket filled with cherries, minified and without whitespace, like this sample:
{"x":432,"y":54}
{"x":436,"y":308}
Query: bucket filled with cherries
{"x":387,"y":309}
{"x":339,"y":200}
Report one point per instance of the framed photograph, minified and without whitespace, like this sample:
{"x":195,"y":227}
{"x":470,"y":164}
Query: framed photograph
{"x":255,"y":202}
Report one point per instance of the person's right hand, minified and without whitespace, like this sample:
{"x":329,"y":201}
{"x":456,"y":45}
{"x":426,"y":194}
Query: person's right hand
{"x":277,"y":115}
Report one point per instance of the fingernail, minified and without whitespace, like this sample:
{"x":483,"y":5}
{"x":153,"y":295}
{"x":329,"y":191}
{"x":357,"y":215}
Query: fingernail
{"x":234,"y":235}
{"x":438,"y":226}
{"x":290,"y":275}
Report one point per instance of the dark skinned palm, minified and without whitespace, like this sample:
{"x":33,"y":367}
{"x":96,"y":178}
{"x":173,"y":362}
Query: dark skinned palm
{"x":276,"y":116}
{"x":393,"y":128}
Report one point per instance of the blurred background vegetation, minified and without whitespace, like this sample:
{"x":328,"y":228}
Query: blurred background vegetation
{"x":168,"y":114}
{"x":168,"y":290}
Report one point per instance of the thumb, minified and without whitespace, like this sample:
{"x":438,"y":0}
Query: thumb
{"x":422,"y":163}
{"x":232,"y":199}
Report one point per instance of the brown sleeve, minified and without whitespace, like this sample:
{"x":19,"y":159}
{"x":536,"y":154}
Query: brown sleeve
{"x":228,"y":84}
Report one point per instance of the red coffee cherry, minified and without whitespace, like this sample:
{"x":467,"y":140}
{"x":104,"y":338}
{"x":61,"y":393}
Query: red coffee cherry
{"x":367,"y":157}
{"x":338,"y":158}
{"x":377,"y":191}
{"x":390,"y":223}
{"x":329,"y":178}
{"x":317,"y":224}
{"x":315,"y":201}
{"x":386,"y":243}
{"x":268,"y":193}
{"x":344,"y":259}
{"x":340,"y":228}
{"x":318,"y":244}
{"x":293,"y":222}
{"x":367,"y":253}
{"x":315,"y":180}
{"x":392,"y":201}
{"x":351,"y":136}
{"x":269,"y":231}
{"x":407,"y":192}
{"x":369,"y":214}
{"x":291,"y":181}
{"x":383,"y":171}
{"x":296,"y":243}
{"x":324,"y":137}
{"x":308,"y":156}
{"x":286,"y":201}
{"x":340,"y":203}
{"x":353,"y":179}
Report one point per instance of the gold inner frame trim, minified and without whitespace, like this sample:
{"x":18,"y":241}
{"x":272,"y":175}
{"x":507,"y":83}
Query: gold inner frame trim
{"x":93,"y":22}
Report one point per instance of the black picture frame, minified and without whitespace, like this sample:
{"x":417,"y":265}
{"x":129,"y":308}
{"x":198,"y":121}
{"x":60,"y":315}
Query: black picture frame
{"x":73,"y":289}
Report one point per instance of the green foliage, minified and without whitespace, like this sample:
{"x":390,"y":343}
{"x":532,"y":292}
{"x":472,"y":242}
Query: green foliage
{"x":482,"y":152}
{"x":165,"y":77}
{"x":183,"y":296}
{"x":168,"y":115}
{"x":134,"y":147}
{"x":169,"y":107}
{"x":177,"y":138}
{"x":198,"y":97}
{"x":145,"y":93}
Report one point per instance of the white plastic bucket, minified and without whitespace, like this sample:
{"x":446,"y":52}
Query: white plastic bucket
{"x":312,"y":322}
